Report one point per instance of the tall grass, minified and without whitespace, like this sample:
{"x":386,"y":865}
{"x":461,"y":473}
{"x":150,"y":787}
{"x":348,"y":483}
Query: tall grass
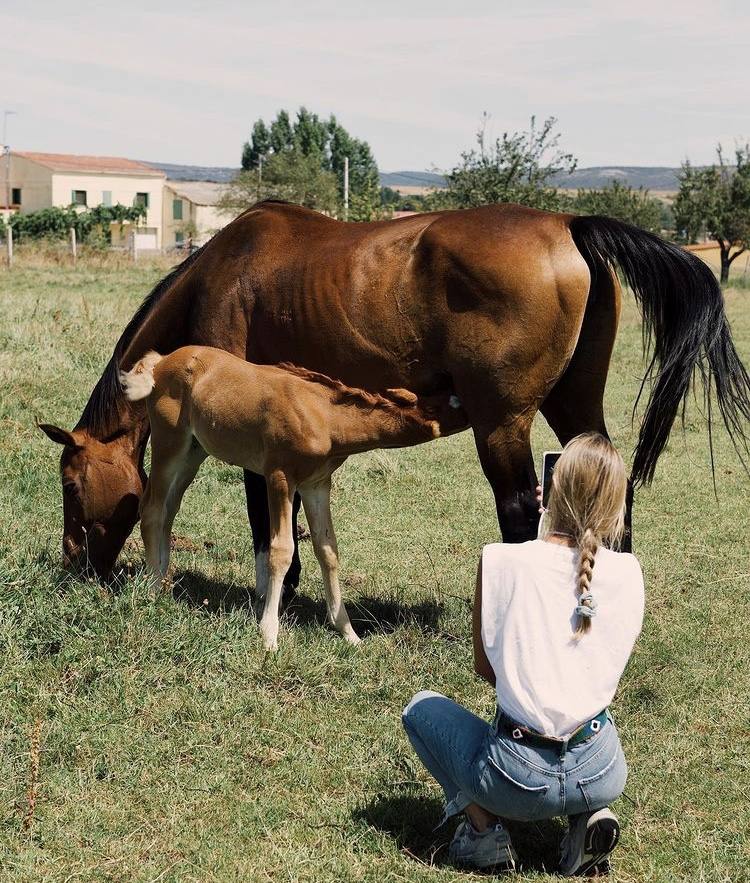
{"x":149,"y":738}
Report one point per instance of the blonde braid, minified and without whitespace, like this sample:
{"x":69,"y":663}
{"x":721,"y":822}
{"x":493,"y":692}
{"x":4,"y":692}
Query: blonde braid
{"x":587,"y":548}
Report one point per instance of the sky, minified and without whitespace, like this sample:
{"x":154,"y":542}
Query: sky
{"x":631,"y":83}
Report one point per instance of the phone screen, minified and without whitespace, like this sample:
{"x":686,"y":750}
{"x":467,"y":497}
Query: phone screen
{"x":548,"y":467}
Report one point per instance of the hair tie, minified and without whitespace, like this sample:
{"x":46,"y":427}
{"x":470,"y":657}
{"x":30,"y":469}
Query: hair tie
{"x":589,"y":610}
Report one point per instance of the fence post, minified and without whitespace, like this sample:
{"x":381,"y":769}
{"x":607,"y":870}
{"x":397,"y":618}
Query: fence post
{"x":9,"y":243}
{"x":73,"y":249}
{"x":133,"y":248}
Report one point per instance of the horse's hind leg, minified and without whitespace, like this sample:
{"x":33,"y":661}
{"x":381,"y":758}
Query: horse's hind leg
{"x":280,"y":552}
{"x":575,"y":404}
{"x":317,"y":503}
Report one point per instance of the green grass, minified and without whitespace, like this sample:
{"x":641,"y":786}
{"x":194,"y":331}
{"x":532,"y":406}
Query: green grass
{"x":171,"y":749}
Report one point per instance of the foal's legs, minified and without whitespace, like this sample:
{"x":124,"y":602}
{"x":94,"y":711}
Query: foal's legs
{"x":171,"y":474}
{"x":280,"y":552}
{"x":317,"y":502}
{"x":256,"y":494}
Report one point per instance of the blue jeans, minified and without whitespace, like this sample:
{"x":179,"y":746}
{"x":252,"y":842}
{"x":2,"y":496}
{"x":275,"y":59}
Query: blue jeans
{"x":509,"y":778}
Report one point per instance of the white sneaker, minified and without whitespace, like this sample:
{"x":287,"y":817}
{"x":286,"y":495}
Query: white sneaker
{"x":588,"y":842}
{"x":486,"y":849}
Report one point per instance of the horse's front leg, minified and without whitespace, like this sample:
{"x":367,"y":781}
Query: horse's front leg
{"x":256,"y":493}
{"x":317,"y":502}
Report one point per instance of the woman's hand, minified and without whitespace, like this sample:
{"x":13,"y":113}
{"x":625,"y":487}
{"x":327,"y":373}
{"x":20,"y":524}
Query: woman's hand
{"x":539,"y":498}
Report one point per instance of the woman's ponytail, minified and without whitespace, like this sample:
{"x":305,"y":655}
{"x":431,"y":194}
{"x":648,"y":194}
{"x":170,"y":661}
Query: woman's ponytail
{"x":587,"y":547}
{"x":587,"y":504}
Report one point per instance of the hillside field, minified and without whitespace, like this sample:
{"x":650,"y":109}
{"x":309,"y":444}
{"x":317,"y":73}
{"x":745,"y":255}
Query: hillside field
{"x":150,"y":739}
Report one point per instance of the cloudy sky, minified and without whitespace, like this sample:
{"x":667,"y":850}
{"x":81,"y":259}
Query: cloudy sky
{"x":633,"y":82}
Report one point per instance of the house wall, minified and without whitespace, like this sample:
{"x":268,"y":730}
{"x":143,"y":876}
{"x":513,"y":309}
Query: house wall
{"x":206,"y":218}
{"x":34,"y":180}
{"x":122,"y":187}
{"x":169,"y":225}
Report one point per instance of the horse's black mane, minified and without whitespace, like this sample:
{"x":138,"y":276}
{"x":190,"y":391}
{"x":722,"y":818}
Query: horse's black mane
{"x":97,"y":415}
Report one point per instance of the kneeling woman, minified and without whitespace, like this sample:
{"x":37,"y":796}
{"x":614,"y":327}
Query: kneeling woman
{"x":555,"y":621}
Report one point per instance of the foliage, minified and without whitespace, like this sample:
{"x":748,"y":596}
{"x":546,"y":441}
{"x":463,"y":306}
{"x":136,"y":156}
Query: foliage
{"x":328,"y":143}
{"x":518,"y":167}
{"x":622,"y":202}
{"x":288,"y":175}
{"x":715,"y":201}
{"x":91,"y":224}
{"x":258,"y":146}
{"x":390,"y":197}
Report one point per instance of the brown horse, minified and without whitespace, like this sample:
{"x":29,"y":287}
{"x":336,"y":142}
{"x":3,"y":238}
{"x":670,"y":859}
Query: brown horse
{"x":514,"y":309}
{"x":292,"y":426}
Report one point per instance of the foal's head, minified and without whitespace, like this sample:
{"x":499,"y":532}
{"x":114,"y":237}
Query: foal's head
{"x":102,"y":484}
{"x":423,"y":417}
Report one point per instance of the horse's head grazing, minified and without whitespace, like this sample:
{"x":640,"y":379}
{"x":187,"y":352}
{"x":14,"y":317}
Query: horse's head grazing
{"x":102,"y":484}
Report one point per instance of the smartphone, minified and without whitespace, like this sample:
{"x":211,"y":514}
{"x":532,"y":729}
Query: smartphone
{"x":549,"y":458}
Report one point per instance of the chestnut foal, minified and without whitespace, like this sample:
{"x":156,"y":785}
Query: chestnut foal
{"x":295,"y":427}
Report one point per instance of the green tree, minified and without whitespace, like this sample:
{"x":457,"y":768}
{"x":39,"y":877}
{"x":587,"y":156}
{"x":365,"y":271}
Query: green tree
{"x":328,"y":143}
{"x":518,"y":167}
{"x":623,"y":202}
{"x":288,"y":175}
{"x":310,"y":135}
{"x":715,"y":201}
{"x":281,"y":135}
{"x":258,"y":146}
{"x":364,"y":180}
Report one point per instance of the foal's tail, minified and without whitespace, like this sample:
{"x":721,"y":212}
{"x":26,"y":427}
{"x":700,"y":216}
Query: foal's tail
{"x":683,"y":313}
{"x":139,"y":381}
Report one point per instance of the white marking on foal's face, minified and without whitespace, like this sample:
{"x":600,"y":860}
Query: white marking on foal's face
{"x":454,"y":402}
{"x":261,"y":575}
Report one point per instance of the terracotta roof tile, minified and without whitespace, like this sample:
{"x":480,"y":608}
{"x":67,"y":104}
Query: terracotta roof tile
{"x":64,"y":162}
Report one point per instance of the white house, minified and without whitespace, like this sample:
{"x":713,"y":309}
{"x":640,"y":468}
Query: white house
{"x":191,"y":213}
{"x":42,"y":180}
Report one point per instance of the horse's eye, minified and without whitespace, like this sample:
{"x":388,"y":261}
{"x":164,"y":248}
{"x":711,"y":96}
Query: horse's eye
{"x":70,"y":488}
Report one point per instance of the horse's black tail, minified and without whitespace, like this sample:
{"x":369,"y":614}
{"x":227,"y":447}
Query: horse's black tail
{"x":683,"y":315}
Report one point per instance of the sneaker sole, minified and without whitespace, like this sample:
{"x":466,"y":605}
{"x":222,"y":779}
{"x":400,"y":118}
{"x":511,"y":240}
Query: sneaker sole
{"x":601,"y":839}
{"x":503,"y":864}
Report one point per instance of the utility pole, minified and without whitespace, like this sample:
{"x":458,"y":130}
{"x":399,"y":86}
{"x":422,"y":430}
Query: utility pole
{"x":260,"y":173}
{"x":346,"y":188}
{"x":6,"y":153}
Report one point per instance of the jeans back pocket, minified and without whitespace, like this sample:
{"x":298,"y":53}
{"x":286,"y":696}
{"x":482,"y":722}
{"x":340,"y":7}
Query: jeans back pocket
{"x":513,"y":789}
{"x":607,"y":784}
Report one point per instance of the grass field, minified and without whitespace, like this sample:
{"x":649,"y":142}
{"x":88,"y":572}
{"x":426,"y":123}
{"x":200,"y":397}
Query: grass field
{"x":150,"y":738}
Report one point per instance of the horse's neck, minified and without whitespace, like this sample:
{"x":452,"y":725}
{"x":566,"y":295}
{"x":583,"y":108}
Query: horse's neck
{"x":120,"y":423}
{"x":360,"y":429}
{"x":161,"y":328}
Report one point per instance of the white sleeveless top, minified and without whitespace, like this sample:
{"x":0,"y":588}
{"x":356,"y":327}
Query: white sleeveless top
{"x":545,"y":679}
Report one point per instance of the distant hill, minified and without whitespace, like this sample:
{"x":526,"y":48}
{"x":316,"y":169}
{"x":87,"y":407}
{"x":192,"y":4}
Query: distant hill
{"x":217,"y":174}
{"x":411,"y":179}
{"x":595,"y":177}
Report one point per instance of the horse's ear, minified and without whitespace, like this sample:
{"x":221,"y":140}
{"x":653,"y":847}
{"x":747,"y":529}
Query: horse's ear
{"x":61,"y":436}
{"x":402,"y":396}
